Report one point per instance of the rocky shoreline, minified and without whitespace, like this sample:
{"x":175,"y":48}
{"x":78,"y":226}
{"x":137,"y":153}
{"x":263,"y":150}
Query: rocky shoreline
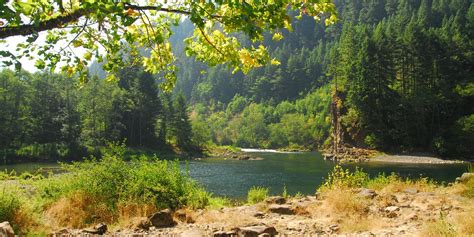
{"x":407,"y":211}
{"x":394,"y":209}
{"x":357,"y":155}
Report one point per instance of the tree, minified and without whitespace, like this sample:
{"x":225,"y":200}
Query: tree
{"x":182,"y":126}
{"x":110,"y":30}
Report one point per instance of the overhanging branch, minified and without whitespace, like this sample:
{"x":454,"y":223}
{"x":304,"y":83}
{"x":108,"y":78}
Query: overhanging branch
{"x":60,"y":21}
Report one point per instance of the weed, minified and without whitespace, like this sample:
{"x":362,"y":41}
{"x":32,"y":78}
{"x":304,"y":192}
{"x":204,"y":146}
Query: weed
{"x":257,"y":194}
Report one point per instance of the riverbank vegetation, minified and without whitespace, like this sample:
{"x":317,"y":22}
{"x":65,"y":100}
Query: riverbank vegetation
{"x":117,"y":192}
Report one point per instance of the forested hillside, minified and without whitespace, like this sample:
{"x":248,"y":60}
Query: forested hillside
{"x":403,"y":72}
{"x":48,"y":116}
{"x":392,"y":75}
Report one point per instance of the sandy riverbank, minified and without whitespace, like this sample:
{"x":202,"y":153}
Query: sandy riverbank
{"x":418,"y":159}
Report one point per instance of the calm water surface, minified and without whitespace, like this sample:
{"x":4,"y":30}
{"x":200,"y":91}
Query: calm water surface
{"x":300,"y":172}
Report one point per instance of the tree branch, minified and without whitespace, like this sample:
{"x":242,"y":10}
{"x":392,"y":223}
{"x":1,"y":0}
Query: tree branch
{"x":28,"y":29}
{"x":41,"y":26}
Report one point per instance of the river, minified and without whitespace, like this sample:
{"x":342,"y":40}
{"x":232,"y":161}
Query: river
{"x":299,"y":172}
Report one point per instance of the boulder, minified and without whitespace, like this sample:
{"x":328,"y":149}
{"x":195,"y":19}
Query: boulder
{"x":367,"y":193}
{"x":281,"y":209}
{"x":466,"y":177}
{"x":6,"y":229}
{"x":98,"y":229}
{"x":161,"y":219}
{"x":250,"y":231}
{"x":275,"y":200}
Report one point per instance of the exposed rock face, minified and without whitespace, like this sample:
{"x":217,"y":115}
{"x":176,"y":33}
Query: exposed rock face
{"x":250,"y":231}
{"x":162,"y":219}
{"x":281,"y":209}
{"x":6,"y":229}
{"x":98,"y":229}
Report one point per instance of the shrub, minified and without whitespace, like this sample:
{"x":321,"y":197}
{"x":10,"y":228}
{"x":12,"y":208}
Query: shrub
{"x":14,"y":208}
{"x":98,"y":189}
{"x":343,"y":178}
{"x":257,"y":194}
{"x":9,"y":204}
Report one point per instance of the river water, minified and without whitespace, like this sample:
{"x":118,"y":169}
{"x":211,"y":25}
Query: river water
{"x":299,"y":172}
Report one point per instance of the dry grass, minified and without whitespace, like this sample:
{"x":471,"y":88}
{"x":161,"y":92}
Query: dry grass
{"x":345,"y":203}
{"x":130,"y":211}
{"x":394,"y":185}
{"x":441,"y":227}
{"x":354,"y":225}
{"x":77,"y":211}
{"x":465,"y":223}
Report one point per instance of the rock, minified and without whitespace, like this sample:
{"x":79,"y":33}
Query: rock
{"x":334,"y":227}
{"x":162,"y":219}
{"x":392,"y":211}
{"x":281,"y":209}
{"x":250,"y":231}
{"x":411,"y":217}
{"x":367,"y":193}
{"x":275,"y":200}
{"x":224,"y":233}
{"x":98,"y":229}
{"x":259,"y":214}
{"x":466,"y":177}
{"x":140,"y":223}
{"x":6,"y":229}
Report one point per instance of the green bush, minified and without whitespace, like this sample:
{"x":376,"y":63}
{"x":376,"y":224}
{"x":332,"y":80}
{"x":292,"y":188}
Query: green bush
{"x":9,"y":204}
{"x":112,"y":180}
{"x":257,"y":194}
{"x":343,"y":178}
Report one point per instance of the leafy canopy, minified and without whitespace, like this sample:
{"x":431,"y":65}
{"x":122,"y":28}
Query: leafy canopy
{"x":117,"y":32}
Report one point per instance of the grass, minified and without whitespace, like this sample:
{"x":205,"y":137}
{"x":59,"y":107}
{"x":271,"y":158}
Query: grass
{"x":440,"y":227}
{"x":257,"y":194}
{"x":14,"y":208}
{"x":107,"y":190}
{"x":340,"y":178}
{"x":345,"y":203}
